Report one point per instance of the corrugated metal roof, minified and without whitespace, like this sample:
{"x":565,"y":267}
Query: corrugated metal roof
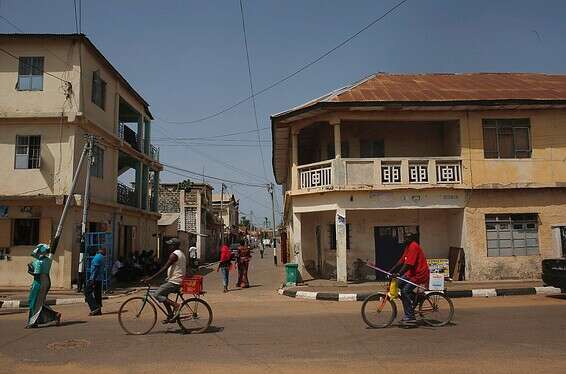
{"x":167,"y":219}
{"x":442,"y":88}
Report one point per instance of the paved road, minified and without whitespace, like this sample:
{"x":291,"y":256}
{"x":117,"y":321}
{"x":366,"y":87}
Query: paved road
{"x":256,"y":330}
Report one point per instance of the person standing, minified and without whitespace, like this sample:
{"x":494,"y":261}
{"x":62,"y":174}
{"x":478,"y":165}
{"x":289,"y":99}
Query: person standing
{"x":93,"y":289}
{"x":244,"y":256}
{"x":225,"y":264}
{"x":413,"y":267}
{"x":39,"y":312}
{"x":261,"y":248}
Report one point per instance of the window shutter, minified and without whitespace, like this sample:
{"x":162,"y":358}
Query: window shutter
{"x":45,"y":230}
{"x":490,"y":142}
{"x":5,"y":233}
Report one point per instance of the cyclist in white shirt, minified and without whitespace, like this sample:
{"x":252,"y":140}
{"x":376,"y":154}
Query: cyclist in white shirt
{"x":176,"y":268}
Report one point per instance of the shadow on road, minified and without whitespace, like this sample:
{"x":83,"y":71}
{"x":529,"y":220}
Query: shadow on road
{"x":210,"y":330}
{"x":70,"y":323}
{"x":559,"y":297}
{"x":12,"y":311}
{"x":242,"y":288}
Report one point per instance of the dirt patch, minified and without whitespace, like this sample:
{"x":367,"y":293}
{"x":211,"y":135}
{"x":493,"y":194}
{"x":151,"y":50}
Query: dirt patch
{"x":69,"y":344}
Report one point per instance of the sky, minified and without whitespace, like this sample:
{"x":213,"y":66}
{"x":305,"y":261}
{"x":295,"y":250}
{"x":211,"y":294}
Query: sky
{"x":188,"y":60}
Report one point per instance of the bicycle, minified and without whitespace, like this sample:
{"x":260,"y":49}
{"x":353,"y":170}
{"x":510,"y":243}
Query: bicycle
{"x":433,"y":307}
{"x":138,"y":315}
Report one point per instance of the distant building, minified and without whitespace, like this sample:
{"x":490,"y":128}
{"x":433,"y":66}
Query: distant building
{"x":230,"y":210}
{"x":470,"y":163}
{"x":193,"y":213}
{"x":55,"y":89}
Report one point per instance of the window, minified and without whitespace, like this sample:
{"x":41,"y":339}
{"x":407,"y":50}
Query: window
{"x":372,"y":149}
{"x":332,"y":235}
{"x":26,"y":231}
{"x":30,"y":74}
{"x":512,"y":234}
{"x":28,"y":152}
{"x":507,"y":138}
{"x":97,"y":168}
{"x":98,"y":90}
{"x":344,"y":149}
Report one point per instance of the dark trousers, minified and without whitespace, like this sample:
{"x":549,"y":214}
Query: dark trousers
{"x":93,"y":294}
{"x":408,"y":299}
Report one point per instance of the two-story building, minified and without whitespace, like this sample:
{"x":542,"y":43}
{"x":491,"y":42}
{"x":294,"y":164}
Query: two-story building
{"x":55,"y":89}
{"x":471,"y":161}
{"x":192,"y":209}
{"x":227,"y":208}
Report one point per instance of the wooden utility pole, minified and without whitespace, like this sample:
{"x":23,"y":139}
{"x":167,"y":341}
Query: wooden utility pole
{"x":270,"y":189}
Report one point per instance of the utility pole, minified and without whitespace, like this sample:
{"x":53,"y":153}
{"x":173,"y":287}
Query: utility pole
{"x":55,"y":241}
{"x":86,"y":202}
{"x":270,"y":189}
{"x":222,"y":213}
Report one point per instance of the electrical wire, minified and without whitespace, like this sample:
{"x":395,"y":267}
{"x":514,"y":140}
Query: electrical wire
{"x":225,"y":135}
{"x":11,"y":23}
{"x":29,"y":65}
{"x":250,"y":76}
{"x":214,"y":178}
{"x":291,"y":75}
{"x":76,"y":20}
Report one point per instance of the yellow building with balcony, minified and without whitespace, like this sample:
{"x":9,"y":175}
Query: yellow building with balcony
{"x":470,"y":161}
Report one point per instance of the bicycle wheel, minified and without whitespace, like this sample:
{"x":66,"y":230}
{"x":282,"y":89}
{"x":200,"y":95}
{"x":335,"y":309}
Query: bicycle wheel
{"x":195,"y":316}
{"x":137,"y":316}
{"x":436,"y":309}
{"x":378,"y":311}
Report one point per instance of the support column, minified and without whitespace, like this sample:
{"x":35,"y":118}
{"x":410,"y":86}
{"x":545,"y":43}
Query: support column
{"x":138,"y":186}
{"x":155,"y":194}
{"x":145,"y":186}
{"x":296,"y":244}
{"x":198,"y":215}
{"x":294,"y":161}
{"x":139,"y":134}
{"x":341,"y":241}
{"x":147,"y":137}
{"x":337,"y":139}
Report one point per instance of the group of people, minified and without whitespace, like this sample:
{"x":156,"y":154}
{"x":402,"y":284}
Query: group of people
{"x":241,"y":260}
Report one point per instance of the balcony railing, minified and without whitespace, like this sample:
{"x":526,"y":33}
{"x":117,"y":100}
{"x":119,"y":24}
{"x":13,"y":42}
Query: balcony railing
{"x":381,"y":172}
{"x":126,"y":195}
{"x":315,"y":175}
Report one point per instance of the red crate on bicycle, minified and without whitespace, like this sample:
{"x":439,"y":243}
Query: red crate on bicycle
{"x":192,"y":285}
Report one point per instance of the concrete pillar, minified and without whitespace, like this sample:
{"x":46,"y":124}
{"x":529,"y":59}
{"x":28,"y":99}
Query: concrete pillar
{"x":200,"y":249}
{"x":145,"y":187}
{"x":182,"y":217}
{"x":155,"y":194}
{"x":147,"y":137}
{"x":294,"y":161}
{"x":296,"y":244}
{"x":341,"y":255}
{"x":139,"y":134}
{"x":138,"y":189}
{"x":337,"y":139}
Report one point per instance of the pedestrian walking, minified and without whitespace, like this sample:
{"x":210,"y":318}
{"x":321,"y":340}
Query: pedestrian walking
{"x":261,"y":248}
{"x":225,"y":264}
{"x":39,"y":312}
{"x":93,"y":289}
{"x":244,"y":256}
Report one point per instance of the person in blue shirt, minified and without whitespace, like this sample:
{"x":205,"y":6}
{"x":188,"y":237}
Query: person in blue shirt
{"x":93,"y":289}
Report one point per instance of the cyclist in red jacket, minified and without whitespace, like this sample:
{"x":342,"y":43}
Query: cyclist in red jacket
{"x":413,"y":267}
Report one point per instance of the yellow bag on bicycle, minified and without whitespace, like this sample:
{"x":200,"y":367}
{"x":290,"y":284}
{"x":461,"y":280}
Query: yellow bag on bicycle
{"x":393,"y":289}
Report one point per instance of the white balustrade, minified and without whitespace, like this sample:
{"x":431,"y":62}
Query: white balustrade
{"x":315,"y":176}
{"x":448,"y":172}
{"x":418,"y":172}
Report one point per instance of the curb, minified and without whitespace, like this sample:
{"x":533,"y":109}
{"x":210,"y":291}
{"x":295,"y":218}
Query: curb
{"x":17,"y":304}
{"x":481,"y":292}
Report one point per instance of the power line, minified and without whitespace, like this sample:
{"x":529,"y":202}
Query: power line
{"x":29,"y":65}
{"x":250,"y":76}
{"x":76,"y":20}
{"x":11,"y":23}
{"x":289,"y":76}
{"x":226,"y":135}
{"x":205,"y":141}
{"x":214,"y":178}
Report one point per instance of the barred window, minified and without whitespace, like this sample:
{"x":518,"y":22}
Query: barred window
{"x":26,"y":231}
{"x":507,"y":138}
{"x":28,"y":152}
{"x":30,"y":74}
{"x":512,"y":234}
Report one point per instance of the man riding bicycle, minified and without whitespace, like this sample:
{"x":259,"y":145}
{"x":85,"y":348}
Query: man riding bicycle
{"x":176,"y":267}
{"x":413,"y":267}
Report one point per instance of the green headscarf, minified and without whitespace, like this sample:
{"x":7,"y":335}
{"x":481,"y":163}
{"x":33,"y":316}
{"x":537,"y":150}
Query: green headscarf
{"x":40,"y":250}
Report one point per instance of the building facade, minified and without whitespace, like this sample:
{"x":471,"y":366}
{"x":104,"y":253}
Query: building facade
{"x":56,"y":89}
{"x":470,"y":161}
{"x":228,"y":210}
{"x":194,"y":212}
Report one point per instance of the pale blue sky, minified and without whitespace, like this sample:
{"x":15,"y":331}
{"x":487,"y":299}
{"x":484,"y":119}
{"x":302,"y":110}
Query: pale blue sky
{"x":187,"y":58}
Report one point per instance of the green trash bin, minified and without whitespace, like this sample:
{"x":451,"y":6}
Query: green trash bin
{"x":291,"y":274}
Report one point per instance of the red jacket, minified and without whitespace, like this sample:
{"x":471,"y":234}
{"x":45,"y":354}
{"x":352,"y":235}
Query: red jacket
{"x":225,"y":254}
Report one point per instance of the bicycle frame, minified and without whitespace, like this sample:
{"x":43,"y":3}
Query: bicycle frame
{"x":156,"y":302}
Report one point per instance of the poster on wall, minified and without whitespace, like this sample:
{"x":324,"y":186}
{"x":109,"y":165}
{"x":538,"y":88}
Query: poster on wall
{"x":340,"y":220}
{"x":439,"y":266}
{"x":3,"y":211}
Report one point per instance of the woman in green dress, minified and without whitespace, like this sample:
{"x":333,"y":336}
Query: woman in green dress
{"x":39,"y":312}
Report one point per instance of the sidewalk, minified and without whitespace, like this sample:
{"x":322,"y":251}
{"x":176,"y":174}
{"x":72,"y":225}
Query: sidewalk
{"x":329,"y":290}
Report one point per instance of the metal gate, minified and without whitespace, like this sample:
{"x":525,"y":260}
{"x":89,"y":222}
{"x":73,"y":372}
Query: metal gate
{"x":93,"y":242}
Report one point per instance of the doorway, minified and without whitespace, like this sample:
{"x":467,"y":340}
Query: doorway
{"x":563,"y":240}
{"x":389,"y":245}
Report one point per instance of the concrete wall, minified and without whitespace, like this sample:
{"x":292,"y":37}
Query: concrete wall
{"x":549,"y":204}
{"x":439,"y":230}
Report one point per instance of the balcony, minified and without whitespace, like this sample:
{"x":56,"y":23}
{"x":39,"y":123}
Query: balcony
{"x":381,"y":173}
{"x":126,"y":195}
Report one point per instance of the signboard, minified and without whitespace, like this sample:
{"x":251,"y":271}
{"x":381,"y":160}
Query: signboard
{"x":439,"y":266}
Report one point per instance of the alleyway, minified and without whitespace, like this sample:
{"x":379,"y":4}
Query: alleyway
{"x":256,"y":330}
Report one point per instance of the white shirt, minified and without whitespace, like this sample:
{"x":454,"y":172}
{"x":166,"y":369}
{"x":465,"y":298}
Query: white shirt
{"x":177,"y":270}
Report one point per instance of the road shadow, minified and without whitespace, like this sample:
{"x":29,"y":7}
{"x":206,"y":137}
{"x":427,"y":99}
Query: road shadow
{"x":69,"y":323}
{"x":12,"y":311}
{"x":243,"y":289}
{"x":109,"y":313}
{"x":210,"y":330}
{"x":204,"y":270}
{"x":559,"y":297}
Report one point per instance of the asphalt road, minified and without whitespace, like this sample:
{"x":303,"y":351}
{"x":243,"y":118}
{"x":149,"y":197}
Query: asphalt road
{"x":257,"y":331}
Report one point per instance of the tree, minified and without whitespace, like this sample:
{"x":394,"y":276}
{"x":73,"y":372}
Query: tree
{"x":244,"y":222}
{"x":185,"y":185}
